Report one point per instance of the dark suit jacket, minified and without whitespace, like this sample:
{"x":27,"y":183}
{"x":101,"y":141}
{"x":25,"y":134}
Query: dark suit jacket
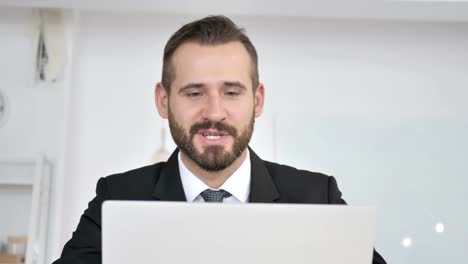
{"x":270,"y":183}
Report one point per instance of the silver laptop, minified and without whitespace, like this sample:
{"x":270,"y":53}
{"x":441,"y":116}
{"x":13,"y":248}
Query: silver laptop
{"x":202,"y":233}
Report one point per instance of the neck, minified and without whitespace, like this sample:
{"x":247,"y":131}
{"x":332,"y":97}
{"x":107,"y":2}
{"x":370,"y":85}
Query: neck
{"x":214,"y":179}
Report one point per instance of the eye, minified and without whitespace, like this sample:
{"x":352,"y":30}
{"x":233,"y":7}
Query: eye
{"x":194,"y":94}
{"x":232,"y":93}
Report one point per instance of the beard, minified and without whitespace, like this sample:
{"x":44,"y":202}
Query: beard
{"x":213,"y":158}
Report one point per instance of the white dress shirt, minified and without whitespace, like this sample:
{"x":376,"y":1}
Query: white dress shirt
{"x":238,"y":184}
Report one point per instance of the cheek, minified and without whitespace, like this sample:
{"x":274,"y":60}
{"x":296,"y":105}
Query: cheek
{"x":241,"y":108}
{"x":242,"y":116}
{"x":185,"y":119}
{"x":183,"y":114}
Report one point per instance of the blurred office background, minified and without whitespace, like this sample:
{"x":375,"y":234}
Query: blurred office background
{"x":375,"y":94}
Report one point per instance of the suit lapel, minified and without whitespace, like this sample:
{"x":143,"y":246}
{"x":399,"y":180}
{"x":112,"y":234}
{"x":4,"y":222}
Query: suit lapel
{"x":169,"y":186}
{"x":262,"y":187}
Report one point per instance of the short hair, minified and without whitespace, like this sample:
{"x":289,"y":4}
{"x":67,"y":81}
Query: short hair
{"x":211,"y":30}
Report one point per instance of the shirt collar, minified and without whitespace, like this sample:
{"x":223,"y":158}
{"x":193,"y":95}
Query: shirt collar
{"x":238,"y":184}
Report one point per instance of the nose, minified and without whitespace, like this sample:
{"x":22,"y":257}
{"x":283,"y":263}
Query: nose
{"x":214,"y":109}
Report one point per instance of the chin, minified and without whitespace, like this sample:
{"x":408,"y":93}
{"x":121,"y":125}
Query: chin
{"x":224,"y":149}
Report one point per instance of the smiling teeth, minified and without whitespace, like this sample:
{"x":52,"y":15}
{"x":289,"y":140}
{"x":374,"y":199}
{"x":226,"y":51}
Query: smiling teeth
{"x":212,"y":137}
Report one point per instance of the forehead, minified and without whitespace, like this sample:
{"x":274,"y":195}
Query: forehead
{"x":193,"y":62}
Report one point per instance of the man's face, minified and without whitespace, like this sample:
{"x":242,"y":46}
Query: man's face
{"x":211,"y":107}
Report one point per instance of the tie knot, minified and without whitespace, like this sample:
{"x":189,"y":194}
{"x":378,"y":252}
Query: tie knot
{"x":211,"y":196}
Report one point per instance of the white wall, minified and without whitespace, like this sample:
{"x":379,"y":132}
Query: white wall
{"x":29,"y":127}
{"x":36,"y":114}
{"x":322,"y":77}
{"x":31,"y":108}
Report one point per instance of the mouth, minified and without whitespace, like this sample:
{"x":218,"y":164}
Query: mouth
{"x":213,"y":135}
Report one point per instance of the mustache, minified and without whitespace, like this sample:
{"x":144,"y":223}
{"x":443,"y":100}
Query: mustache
{"x":215,"y":125}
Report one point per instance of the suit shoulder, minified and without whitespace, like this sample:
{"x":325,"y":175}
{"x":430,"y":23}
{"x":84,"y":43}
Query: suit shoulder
{"x":299,"y":186}
{"x":279,"y":171}
{"x":134,"y":184}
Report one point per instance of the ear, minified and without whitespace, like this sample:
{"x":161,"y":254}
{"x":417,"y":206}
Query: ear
{"x":161,"y":98}
{"x":259,"y":100}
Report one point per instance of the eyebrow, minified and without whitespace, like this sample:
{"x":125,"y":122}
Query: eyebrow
{"x":236,"y":84}
{"x":200,"y":85}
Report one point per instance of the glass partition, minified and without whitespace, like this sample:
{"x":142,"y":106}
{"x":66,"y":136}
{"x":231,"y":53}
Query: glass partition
{"x":414,"y":171}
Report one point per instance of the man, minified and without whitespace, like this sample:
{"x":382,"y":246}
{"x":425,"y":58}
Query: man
{"x":211,"y":94}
